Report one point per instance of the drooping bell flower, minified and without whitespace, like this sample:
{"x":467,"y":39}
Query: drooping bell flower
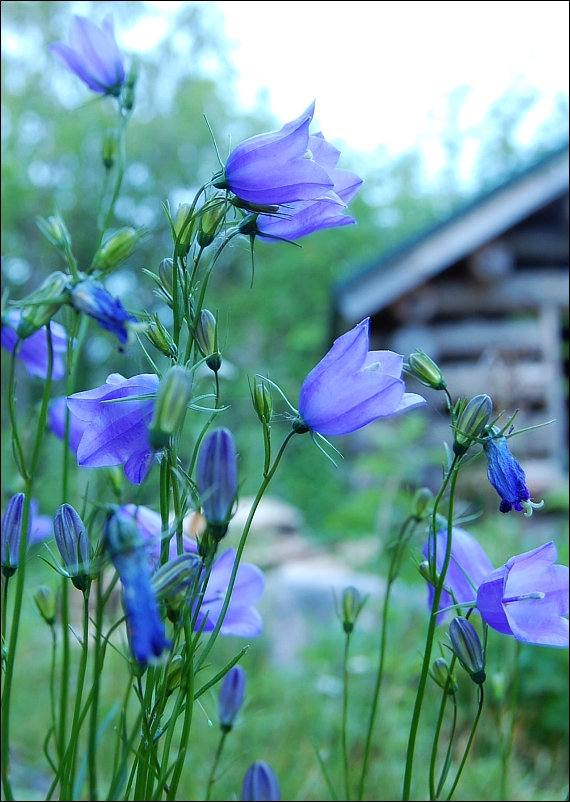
{"x":507,"y":477}
{"x":260,"y":784}
{"x":528,"y":598}
{"x":242,"y":619}
{"x":34,"y":349}
{"x":118,"y":415}
{"x":92,"y":54}
{"x":352,"y":386}
{"x":91,"y":298}
{"x":277,"y":167}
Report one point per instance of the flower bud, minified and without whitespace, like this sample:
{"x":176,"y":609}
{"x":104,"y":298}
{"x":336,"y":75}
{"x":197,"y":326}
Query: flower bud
{"x":425,"y":570}
{"x":73,"y":544}
{"x":207,"y":339}
{"x":467,"y":648}
{"x":211,"y":220}
{"x":110,"y":148}
{"x":352,"y":603}
{"x":260,"y":784}
{"x":172,"y":399}
{"x":262,"y":402}
{"x":161,"y":339}
{"x":11,"y":533}
{"x":119,"y":245}
{"x":184,"y":223}
{"x":40,"y":306}
{"x":45,"y":601}
{"x":440,"y":673}
{"x":165,"y":269}
{"x":55,"y":230}
{"x":129,"y":87}
{"x":173,"y":675}
{"x":232,"y":692}
{"x":176,"y":575}
{"x":217,"y":479}
{"x":425,"y":371}
{"x":91,"y":298}
{"x":471,"y":423}
{"x":120,"y":533}
{"x":422,"y":503}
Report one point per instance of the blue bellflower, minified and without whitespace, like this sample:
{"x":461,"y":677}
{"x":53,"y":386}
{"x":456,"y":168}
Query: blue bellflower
{"x":507,"y":477}
{"x":260,"y":784}
{"x":232,"y":692}
{"x":277,"y":167}
{"x":352,"y":386}
{"x":93,"y":299}
{"x":217,"y":478}
{"x":34,"y":349}
{"x":57,"y":412}
{"x":92,"y":54}
{"x":117,"y":427}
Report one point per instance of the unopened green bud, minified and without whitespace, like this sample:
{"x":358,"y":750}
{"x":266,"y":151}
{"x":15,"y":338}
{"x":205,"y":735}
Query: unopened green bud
{"x":422,"y":503}
{"x":40,"y":306}
{"x":129,"y":87}
{"x":174,"y":394}
{"x":440,"y":673}
{"x":176,"y":575}
{"x":173,"y":676}
{"x":471,"y":423}
{"x":262,"y":402}
{"x":44,"y":600}
{"x":207,"y":339}
{"x":425,"y":371}
{"x":467,"y":648}
{"x":110,"y":148}
{"x":161,"y":339}
{"x":184,"y":223}
{"x":55,"y":230}
{"x":119,"y":245}
{"x":211,"y":220}
{"x":351,"y":604}
{"x":425,"y":570}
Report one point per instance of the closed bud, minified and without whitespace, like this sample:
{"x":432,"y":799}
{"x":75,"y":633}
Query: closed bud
{"x":173,"y":676}
{"x":172,"y":399}
{"x":232,"y":692}
{"x":176,"y":576}
{"x":165,"y":269}
{"x":207,"y":339}
{"x":260,"y":784}
{"x":73,"y":544}
{"x":160,"y":338}
{"x":55,"y":230}
{"x":45,"y":601}
{"x":128,"y":98}
{"x":11,"y":533}
{"x":351,"y":604}
{"x":467,"y":648}
{"x":110,"y":148}
{"x":422,"y":503}
{"x":40,"y":306}
{"x":471,"y":423}
{"x":119,"y":245}
{"x":217,"y":479}
{"x":262,"y":402}
{"x":425,"y":570}
{"x":425,"y":371}
{"x":184,"y":223}
{"x":440,"y":673}
{"x":211,"y":220}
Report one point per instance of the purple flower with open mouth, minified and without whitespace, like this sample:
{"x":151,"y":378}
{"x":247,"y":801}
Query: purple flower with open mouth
{"x":94,"y":300}
{"x":277,"y":167}
{"x":352,"y":386}
{"x":34,"y":349}
{"x":118,"y":415}
{"x":242,"y":619}
{"x":508,"y":478}
{"x":527,"y":598}
{"x":468,"y":567}
{"x":92,"y":54}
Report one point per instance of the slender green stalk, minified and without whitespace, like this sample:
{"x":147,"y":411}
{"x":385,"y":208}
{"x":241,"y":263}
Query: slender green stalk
{"x":507,"y":741}
{"x":187,"y":723}
{"x":212,"y":777}
{"x":98,"y":653}
{"x":449,"y":752}
{"x":65,"y":664}
{"x":123,"y":120}
{"x":345,"y":717}
{"x":75,"y":728}
{"x":481,"y":694}
{"x":451,"y":479}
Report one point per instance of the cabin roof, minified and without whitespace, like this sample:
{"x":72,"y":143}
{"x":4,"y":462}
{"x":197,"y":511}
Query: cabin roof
{"x":487,"y":217}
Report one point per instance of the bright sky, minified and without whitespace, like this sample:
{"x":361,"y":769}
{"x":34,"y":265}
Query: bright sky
{"x":380,"y":70}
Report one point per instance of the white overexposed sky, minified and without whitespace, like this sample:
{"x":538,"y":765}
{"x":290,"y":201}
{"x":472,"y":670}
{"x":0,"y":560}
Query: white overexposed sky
{"x":381,"y":70}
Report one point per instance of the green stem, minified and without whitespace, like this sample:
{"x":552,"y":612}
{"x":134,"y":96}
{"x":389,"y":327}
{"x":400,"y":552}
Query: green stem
{"x":66,"y":656}
{"x":95,"y":688}
{"x":123,"y":119}
{"x":211,"y":778}
{"x":451,"y":479}
{"x":507,"y":742}
{"x":449,"y":752}
{"x":481,"y":694}
{"x":75,"y":729}
{"x":345,"y":717}
{"x":187,"y":723}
